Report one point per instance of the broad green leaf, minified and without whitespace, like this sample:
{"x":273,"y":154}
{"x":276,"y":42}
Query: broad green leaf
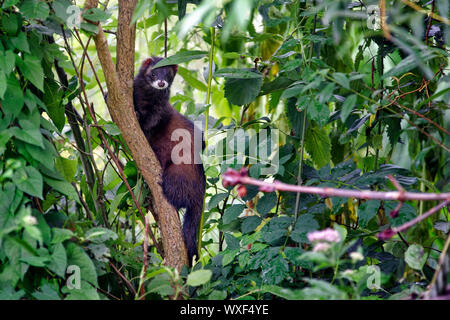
{"x":77,"y":256}
{"x":31,"y":68}
{"x":191,"y":80}
{"x":46,"y":292}
{"x":33,"y":9}
{"x":21,"y":42}
{"x":181,"y":57}
{"x":29,"y":180}
{"x":43,"y":155}
{"x":11,"y":23}
{"x":231,"y":213}
{"x":215,"y":200}
{"x":63,"y":187}
{"x":305,"y":223}
{"x":67,"y":167}
{"x":367,"y":211}
{"x":317,"y":144}
{"x":249,"y":224}
{"x":61,"y":235}
{"x":238,"y":73}
{"x":342,"y":79}
{"x":347,"y":107}
{"x":199,"y":277}
{"x":416,"y":256}
{"x":242,"y":91}
{"x":96,"y":14}
{"x":319,"y":112}
{"x":58,"y":260}
{"x":13,"y":99}
{"x":266,"y":203}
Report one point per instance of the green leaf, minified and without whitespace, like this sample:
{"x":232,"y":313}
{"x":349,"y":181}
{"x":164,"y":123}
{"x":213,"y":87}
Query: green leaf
{"x":96,"y":14}
{"x":32,"y":136}
{"x":242,"y":91}
{"x":347,"y":107}
{"x":11,"y":23}
{"x":238,"y":73}
{"x":341,"y":79}
{"x":58,"y":260}
{"x":3,"y":85}
{"x":46,"y":293}
{"x":77,"y":256}
{"x":139,"y":11}
{"x":100,"y":235}
{"x":318,"y":145}
{"x":29,"y":180}
{"x":63,"y":187}
{"x":9,"y":3}
{"x":231,"y":213}
{"x":67,"y":167}
{"x":21,"y":43}
{"x":215,"y":200}
{"x":318,"y":112}
{"x":13,"y":98}
{"x":367,"y":211}
{"x":32,"y":70}
{"x":161,"y":284}
{"x":285,"y":293}
{"x":199,"y":277}
{"x":43,"y":155}
{"x":249,"y":224}
{"x":416,"y":256}
{"x":191,"y":80}
{"x":181,"y":57}
{"x":53,"y":100}
{"x":61,"y":235}
{"x":266,"y":203}
{"x":305,"y":223}
{"x":33,"y":9}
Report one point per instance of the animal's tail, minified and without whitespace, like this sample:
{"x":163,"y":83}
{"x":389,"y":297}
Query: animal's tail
{"x":190,"y":228}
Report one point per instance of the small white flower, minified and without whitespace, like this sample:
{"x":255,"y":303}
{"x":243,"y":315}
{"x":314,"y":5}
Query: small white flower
{"x":30,"y":220}
{"x":356,"y":256}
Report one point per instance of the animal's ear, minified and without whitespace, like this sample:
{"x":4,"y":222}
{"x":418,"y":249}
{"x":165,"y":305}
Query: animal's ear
{"x":175,"y":68}
{"x":147,"y":62}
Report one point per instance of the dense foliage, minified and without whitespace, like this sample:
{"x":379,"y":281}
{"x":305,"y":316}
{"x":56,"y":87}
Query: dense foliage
{"x":352,"y":99}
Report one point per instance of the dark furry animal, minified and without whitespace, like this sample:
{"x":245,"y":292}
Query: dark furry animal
{"x":183,"y":184}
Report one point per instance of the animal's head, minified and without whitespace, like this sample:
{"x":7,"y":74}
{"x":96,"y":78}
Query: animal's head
{"x":158,"y":78}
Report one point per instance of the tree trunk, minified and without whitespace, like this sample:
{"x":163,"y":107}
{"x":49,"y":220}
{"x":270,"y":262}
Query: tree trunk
{"x":121,"y":109}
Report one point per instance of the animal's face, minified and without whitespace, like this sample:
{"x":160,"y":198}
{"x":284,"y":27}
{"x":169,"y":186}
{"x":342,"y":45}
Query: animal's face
{"x":159,"y":78}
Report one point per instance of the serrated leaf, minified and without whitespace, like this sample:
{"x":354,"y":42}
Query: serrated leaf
{"x":242,"y":91}
{"x":231,"y":213}
{"x":305,"y":223}
{"x":266,"y":203}
{"x":367,"y":211}
{"x":318,"y":145}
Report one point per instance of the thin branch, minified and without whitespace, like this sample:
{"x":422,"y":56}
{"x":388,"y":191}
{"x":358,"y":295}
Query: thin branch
{"x":232,"y":177}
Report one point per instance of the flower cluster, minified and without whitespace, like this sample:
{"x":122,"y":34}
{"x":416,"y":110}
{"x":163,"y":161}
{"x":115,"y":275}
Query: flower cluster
{"x":322,"y":239}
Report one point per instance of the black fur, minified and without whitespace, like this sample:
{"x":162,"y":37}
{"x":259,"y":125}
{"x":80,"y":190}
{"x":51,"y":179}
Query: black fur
{"x":183,"y":184}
